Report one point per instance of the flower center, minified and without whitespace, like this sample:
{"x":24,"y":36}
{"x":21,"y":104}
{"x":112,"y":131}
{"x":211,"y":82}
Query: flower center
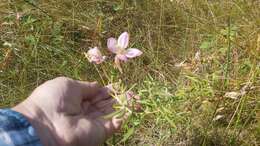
{"x":120,"y":50}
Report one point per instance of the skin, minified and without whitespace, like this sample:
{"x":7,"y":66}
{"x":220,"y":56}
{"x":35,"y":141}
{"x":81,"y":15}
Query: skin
{"x":67,"y":112}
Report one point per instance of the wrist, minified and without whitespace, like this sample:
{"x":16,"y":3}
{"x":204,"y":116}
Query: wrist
{"x":39,"y":121}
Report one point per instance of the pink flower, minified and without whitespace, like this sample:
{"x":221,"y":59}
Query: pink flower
{"x":131,"y":95}
{"x":135,"y":99}
{"x":94,"y":56}
{"x":119,"y":47}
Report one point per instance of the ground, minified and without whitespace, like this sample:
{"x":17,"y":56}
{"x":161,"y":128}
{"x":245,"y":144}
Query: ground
{"x":199,"y":75}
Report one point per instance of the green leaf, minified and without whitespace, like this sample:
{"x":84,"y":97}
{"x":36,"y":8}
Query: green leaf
{"x":31,"y":40}
{"x":28,"y":20}
{"x":129,"y":133}
{"x":117,"y":7}
{"x":34,"y":2}
{"x":205,"y":45}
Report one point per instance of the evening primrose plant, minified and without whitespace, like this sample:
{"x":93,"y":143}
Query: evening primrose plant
{"x":126,"y":99}
{"x":116,"y":46}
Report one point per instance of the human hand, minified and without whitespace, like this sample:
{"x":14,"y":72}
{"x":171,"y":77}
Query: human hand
{"x":67,"y":112}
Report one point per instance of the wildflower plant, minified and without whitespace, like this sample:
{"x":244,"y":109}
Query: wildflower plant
{"x":119,"y":47}
{"x":127,"y":101}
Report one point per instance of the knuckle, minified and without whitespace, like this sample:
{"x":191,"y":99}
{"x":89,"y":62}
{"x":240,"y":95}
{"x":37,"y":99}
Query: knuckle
{"x":63,"y":79}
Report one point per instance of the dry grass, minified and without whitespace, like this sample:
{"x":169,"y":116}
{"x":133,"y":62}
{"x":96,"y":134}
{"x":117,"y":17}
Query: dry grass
{"x":183,"y":104}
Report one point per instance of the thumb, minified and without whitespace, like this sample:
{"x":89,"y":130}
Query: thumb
{"x":89,"y":89}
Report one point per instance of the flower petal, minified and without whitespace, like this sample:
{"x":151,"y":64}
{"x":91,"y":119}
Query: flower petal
{"x":111,"y":45}
{"x":121,"y":57}
{"x":100,"y":60}
{"x":123,"y":40}
{"x":94,"y":56}
{"x":94,"y":52}
{"x":133,"y":52}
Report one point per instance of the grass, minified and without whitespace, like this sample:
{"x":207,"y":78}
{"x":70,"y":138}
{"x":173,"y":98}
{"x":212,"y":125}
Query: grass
{"x":184,"y":103}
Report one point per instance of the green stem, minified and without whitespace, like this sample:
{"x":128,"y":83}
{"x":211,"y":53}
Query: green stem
{"x":102,"y":79}
{"x":228,"y":55}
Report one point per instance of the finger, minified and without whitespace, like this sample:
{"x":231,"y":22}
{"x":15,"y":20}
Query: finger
{"x":95,"y":115}
{"x":108,"y":110}
{"x":104,"y":93}
{"x":117,"y":123}
{"x":112,"y":126}
{"x":90,"y":109}
{"x":89,"y":89}
{"x":105,"y":103}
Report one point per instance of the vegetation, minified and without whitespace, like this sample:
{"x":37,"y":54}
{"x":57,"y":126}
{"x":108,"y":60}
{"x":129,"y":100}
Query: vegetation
{"x":198,"y":76}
